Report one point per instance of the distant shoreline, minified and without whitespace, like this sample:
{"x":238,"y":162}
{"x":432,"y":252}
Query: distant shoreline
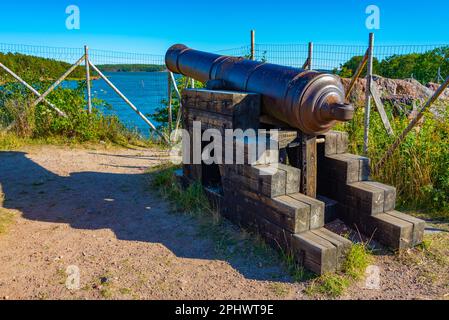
{"x":143,"y":71}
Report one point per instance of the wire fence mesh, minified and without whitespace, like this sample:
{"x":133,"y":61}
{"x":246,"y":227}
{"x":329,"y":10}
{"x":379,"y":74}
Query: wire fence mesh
{"x":148,"y":90}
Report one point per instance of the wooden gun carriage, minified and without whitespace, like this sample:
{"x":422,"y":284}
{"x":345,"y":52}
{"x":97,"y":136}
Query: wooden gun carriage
{"x":308,"y":179}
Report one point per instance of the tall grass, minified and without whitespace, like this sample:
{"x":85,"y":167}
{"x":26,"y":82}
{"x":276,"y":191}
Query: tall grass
{"x":419,"y":169}
{"x":19,"y":119}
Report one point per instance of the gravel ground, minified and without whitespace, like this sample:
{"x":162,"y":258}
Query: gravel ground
{"x":91,"y":212}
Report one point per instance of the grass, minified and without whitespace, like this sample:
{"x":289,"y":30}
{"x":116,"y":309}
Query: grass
{"x":21,"y":123}
{"x":279,"y":289}
{"x":11,"y":141}
{"x":330,"y":285}
{"x":334,"y":285}
{"x":430,"y":259}
{"x":419,"y":169}
{"x":191,"y":200}
{"x":7,"y":217}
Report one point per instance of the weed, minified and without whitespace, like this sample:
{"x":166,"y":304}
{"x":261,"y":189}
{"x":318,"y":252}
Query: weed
{"x":6,"y":219}
{"x":22,"y":123}
{"x":279,"y":289}
{"x":331,"y":285}
{"x":297,"y":272}
{"x":106,"y":293}
{"x":357,"y":260}
{"x":334,"y":285}
{"x":419,"y":168}
{"x":125,"y":291}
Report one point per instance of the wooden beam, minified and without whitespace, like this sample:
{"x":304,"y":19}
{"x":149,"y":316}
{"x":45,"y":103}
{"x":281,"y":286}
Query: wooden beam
{"x":381,"y":109}
{"x":357,"y":74}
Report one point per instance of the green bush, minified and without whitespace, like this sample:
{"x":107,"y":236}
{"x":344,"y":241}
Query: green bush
{"x":419,"y":169}
{"x":161,"y":114}
{"x":32,"y":68}
{"x":18,"y":115}
{"x":422,"y":66}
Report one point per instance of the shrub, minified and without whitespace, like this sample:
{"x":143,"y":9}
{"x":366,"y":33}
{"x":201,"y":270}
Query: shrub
{"x":419,"y":169}
{"x":20,"y":117}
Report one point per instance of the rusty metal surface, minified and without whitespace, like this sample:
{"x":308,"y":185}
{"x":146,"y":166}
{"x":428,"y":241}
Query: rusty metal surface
{"x":308,"y":100}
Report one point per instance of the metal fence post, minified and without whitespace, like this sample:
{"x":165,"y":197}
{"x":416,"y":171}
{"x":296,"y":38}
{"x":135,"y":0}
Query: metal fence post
{"x":89,"y":93}
{"x":310,"y":55}
{"x":121,"y":95}
{"x":59,"y":81}
{"x":369,"y":78}
{"x":308,"y":64}
{"x":170,"y":105}
{"x":253,"y":44}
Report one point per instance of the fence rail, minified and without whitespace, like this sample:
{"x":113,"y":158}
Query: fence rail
{"x":150,"y":91}
{"x":326,"y":56}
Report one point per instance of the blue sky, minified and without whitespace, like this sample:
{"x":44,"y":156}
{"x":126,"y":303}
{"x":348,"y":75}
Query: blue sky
{"x":152,"y":26}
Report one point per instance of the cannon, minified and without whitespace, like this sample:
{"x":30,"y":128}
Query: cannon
{"x":307,"y":100}
{"x":299,"y":184}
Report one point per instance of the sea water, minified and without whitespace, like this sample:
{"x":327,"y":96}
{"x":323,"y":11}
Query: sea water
{"x":146,"y":90}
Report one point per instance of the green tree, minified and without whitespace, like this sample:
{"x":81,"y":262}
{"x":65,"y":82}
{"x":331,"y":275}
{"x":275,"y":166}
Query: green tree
{"x":348,"y":68}
{"x":35,"y":69}
{"x":421,"y":66}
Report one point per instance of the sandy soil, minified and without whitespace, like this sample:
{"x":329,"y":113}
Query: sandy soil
{"x":93,"y":210}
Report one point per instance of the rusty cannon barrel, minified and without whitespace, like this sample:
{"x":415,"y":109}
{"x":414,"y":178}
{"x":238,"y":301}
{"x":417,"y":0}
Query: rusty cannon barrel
{"x":308,"y":100}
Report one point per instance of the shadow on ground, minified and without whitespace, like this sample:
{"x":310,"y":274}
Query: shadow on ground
{"x":122,"y":203}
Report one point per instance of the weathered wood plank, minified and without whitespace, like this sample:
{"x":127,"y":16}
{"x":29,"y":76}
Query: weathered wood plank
{"x":347,"y":168}
{"x":215,"y":119}
{"x":268,"y":185}
{"x":282,"y":211}
{"x":307,"y":163}
{"x":393,"y":232}
{"x":316,"y":253}
{"x":342,"y":142}
{"x":316,"y":210}
{"x":343,"y":245}
{"x":381,"y":109}
{"x":368,"y":199}
{"x":389,"y":196}
{"x":293,"y":183}
{"x":419,"y":225}
{"x":330,"y":209}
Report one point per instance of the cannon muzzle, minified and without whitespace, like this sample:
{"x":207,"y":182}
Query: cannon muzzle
{"x":308,"y":100}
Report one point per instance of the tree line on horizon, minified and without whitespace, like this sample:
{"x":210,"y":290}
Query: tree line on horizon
{"x":420,"y":66}
{"x":33,"y":68}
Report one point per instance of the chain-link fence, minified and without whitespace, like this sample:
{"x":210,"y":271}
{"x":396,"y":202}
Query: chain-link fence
{"x":130,"y":72}
{"x":140,"y":77}
{"x":331,"y":57}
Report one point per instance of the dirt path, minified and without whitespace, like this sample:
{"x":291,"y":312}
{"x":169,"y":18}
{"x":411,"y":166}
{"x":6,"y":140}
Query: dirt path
{"x":93,"y":211}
